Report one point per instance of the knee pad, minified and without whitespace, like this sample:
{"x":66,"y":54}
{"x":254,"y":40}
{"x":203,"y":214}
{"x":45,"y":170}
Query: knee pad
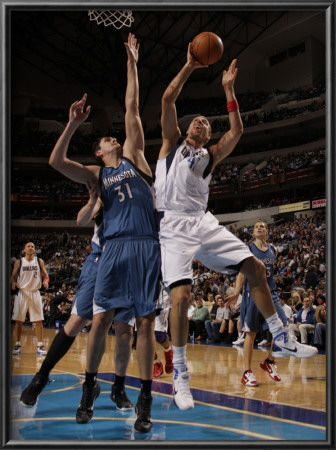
{"x":160,"y":336}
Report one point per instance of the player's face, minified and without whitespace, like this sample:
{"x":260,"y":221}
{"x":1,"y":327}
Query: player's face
{"x":29,"y":248}
{"x":109,"y":144}
{"x":260,"y":229}
{"x":199,"y":129}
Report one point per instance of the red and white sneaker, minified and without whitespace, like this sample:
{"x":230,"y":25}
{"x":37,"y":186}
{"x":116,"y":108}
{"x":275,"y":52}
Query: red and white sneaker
{"x":169,"y":366}
{"x":271,"y":368}
{"x":249,"y":378}
{"x":157,"y":369}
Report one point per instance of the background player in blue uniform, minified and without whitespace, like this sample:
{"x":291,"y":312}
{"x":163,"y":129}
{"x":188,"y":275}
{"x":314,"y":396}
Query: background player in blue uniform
{"x":129,"y":270}
{"x":252,"y":320}
{"x":82,"y":309}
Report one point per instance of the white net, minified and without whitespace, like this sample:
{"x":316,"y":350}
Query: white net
{"x":116,"y":18}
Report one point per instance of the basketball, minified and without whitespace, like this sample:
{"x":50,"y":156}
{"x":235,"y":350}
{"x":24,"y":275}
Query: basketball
{"x":207,"y":48}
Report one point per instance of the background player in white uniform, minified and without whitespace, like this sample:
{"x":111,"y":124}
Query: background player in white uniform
{"x":82,"y":309}
{"x":28,"y":275}
{"x":130,"y":277}
{"x":183,"y":174}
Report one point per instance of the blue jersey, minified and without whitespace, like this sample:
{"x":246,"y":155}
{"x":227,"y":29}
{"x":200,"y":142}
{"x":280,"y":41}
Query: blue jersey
{"x":268,"y":257}
{"x":127,"y":196}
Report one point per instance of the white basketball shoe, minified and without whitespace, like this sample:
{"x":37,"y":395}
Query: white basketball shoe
{"x":181,"y":391}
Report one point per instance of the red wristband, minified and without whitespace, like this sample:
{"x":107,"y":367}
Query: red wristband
{"x":232,"y":105}
{"x":46,"y":278}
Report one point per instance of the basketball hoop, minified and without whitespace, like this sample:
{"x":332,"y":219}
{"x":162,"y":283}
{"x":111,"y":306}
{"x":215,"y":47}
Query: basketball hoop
{"x":116,"y":18}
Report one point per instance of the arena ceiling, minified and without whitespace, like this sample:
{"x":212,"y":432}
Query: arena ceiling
{"x":68,"y":48}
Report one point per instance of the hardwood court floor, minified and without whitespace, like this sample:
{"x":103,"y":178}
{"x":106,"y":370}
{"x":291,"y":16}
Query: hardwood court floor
{"x":297,"y":403}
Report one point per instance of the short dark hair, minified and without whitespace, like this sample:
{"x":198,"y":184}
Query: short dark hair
{"x":95,"y":148}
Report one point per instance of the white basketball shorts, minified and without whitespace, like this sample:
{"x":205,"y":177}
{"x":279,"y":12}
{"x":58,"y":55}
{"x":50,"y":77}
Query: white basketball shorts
{"x":28,"y":300}
{"x":184,"y":238}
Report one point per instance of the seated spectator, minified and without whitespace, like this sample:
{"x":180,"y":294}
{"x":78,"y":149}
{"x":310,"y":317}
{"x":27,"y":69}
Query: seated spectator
{"x":212,"y":326}
{"x":311,"y":279}
{"x":200,"y":315}
{"x":288,"y":310}
{"x":210,"y":301}
{"x":295,"y":301}
{"x":233,"y":321}
{"x":320,"y":299}
{"x":304,"y":322}
{"x":63,"y":311}
{"x":320,"y":327}
{"x":215,"y":306}
{"x":191,"y":306}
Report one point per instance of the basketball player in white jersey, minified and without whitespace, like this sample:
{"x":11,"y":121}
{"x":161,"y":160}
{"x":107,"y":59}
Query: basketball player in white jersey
{"x":188,"y":232}
{"x":28,"y":275}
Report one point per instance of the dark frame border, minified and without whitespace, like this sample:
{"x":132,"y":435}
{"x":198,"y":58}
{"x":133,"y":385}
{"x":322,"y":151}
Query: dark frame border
{"x":330,"y":11}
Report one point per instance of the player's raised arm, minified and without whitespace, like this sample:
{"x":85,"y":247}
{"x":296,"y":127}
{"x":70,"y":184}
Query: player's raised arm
{"x":134,"y":144}
{"x":230,"y":139}
{"x":58,"y":158}
{"x":169,"y":124}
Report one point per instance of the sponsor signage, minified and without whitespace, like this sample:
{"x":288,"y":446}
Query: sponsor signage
{"x":299,"y":206}
{"x":319,"y":203}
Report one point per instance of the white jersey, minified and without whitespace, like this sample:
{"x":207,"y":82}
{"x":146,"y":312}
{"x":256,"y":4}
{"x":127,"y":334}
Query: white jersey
{"x":182,"y":179}
{"x":29,"y":277}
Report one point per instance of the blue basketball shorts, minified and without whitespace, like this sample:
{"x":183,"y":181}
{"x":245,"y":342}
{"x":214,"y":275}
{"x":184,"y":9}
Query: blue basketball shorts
{"x":82,"y":304}
{"x":252,"y":319}
{"x":128,"y":276}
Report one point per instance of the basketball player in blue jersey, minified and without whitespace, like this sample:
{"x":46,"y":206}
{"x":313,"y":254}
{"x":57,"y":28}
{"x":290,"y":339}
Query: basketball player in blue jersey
{"x":82,"y":308}
{"x":129,"y":269}
{"x":188,"y":232}
{"x":252,"y":321}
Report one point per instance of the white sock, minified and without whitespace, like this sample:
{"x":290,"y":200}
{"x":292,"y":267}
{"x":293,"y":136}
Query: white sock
{"x":274,"y":324}
{"x":167,"y":349}
{"x":179,"y":358}
{"x":240,"y":335}
{"x":39,"y":344}
{"x":17,"y":343}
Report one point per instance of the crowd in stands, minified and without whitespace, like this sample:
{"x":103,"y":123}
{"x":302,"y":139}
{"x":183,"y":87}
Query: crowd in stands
{"x":300,"y":272}
{"x":58,"y":191}
{"x":250,"y":101}
{"x":227,"y":173}
{"x":40,"y":143}
{"x":261,"y":117}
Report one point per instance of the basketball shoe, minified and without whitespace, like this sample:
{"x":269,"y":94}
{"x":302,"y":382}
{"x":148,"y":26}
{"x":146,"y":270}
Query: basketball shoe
{"x":85,"y":410}
{"x":143,"y":407}
{"x":181,"y":391}
{"x":30,"y":394}
{"x":119,"y":396}
{"x":157,"y":369}
{"x":271,"y":368}
{"x":286,"y":345}
{"x":249,"y":378}
{"x":41,"y":350}
{"x":239,"y":341}
{"x":17,"y":349}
